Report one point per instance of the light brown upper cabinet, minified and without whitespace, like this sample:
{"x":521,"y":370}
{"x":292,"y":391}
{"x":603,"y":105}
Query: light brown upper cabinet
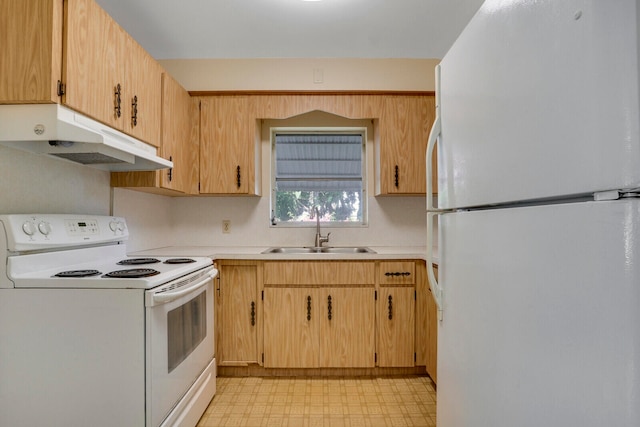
{"x":229,"y":137}
{"x":30,"y":50}
{"x":404,"y":126}
{"x":180,"y":139}
{"x":73,"y":52}
{"x":143,"y":91}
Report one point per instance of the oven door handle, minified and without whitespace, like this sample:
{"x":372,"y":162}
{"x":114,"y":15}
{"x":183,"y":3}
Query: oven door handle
{"x":165,"y":297}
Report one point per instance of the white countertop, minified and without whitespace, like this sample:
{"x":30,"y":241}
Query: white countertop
{"x":255,"y":253}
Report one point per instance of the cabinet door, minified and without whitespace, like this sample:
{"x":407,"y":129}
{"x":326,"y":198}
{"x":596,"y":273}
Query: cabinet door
{"x":404,"y":129}
{"x":92,"y":68}
{"x":143,"y":99}
{"x":347,"y":337}
{"x":177,"y":145}
{"x":31,"y":50}
{"x":292,"y":327}
{"x":237,"y":305}
{"x":226,"y":141}
{"x":396,"y":326}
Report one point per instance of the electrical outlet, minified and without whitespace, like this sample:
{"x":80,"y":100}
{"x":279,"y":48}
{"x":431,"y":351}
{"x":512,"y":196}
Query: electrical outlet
{"x":226,"y":226}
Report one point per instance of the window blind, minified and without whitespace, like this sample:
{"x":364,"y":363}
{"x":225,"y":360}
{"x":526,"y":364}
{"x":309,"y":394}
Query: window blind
{"x":318,"y":162}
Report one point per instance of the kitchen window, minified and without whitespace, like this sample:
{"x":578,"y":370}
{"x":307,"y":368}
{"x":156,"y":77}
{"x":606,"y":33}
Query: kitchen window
{"x":318,"y":168}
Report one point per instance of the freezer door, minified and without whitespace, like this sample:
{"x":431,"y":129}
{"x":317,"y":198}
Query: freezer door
{"x":541,"y":323}
{"x":539,"y":99}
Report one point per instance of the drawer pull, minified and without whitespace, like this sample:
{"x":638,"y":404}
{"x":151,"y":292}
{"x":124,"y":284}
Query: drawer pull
{"x":253,"y":313}
{"x":397,"y":273}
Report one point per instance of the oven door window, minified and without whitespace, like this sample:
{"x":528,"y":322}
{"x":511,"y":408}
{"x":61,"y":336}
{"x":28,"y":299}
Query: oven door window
{"x":187,"y":328}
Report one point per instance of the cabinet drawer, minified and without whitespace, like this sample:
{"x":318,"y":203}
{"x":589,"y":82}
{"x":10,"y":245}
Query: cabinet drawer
{"x":397,"y":273}
{"x":319,"y":273}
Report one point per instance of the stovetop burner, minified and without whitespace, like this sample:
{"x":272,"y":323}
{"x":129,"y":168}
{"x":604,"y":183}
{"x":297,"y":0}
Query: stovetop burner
{"x":78,"y":273}
{"x":138,"y":261}
{"x":179,"y":261}
{"x":132,"y":273}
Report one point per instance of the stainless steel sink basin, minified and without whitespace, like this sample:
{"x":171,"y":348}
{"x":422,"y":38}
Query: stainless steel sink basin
{"x":320,"y":250}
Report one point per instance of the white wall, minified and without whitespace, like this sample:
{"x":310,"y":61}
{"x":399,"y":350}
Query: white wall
{"x":31,"y":183}
{"x":338,"y":74}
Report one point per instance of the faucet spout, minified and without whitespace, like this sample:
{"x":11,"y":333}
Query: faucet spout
{"x":320,"y":239}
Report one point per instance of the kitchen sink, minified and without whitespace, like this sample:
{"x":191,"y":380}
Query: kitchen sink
{"x":320,"y":250}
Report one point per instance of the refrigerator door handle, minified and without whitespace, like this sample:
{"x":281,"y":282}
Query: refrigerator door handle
{"x":436,"y":130}
{"x":432,"y":211}
{"x":433,"y":138}
{"x":436,"y":289}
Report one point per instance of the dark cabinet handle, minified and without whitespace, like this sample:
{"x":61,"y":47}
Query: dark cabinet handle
{"x":253,"y":313}
{"x":134,"y":111}
{"x":397,"y":176}
{"x":390,"y":307}
{"x":397,"y":273}
{"x":309,"y":308}
{"x":329,"y":306}
{"x":170,"y":172}
{"x":118,"y":100}
{"x":238,"y":177}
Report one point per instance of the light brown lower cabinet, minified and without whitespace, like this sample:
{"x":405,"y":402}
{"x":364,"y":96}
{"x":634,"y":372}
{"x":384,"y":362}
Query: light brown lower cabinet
{"x":396,"y":326}
{"x":329,"y":327}
{"x":325,"y":314}
{"x":237,"y":308}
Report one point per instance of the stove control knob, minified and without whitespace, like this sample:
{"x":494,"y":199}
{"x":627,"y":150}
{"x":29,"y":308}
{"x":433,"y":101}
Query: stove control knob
{"x":44,"y":227}
{"x":29,"y":228}
{"x":116,"y":226}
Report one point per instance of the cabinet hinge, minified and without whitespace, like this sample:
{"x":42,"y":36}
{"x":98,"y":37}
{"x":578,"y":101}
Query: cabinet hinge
{"x":376,"y":295}
{"x":61,"y":88}
{"x":262,"y":295}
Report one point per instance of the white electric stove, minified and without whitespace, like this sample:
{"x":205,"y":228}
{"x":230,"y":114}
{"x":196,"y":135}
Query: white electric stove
{"x":91,"y":336}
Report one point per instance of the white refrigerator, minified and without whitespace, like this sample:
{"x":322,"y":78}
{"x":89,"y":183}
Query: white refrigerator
{"x":538,"y":217}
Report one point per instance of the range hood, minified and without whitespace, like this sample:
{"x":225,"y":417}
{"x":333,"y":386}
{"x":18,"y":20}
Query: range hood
{"x":57,"y":131}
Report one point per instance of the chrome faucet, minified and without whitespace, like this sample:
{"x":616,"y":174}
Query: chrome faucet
{"x":320,"y":239}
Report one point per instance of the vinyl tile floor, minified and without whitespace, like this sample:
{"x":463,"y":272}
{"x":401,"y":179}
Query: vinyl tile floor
{"x":322,"y":402}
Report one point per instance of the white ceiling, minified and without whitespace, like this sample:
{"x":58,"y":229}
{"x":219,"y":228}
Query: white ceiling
{"x":189,"y":29}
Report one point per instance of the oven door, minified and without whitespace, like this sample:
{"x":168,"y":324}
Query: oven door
{"x":179,"y":340}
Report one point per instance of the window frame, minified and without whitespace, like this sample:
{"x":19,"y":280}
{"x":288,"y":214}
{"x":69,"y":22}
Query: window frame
{"x":354,"y":130}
